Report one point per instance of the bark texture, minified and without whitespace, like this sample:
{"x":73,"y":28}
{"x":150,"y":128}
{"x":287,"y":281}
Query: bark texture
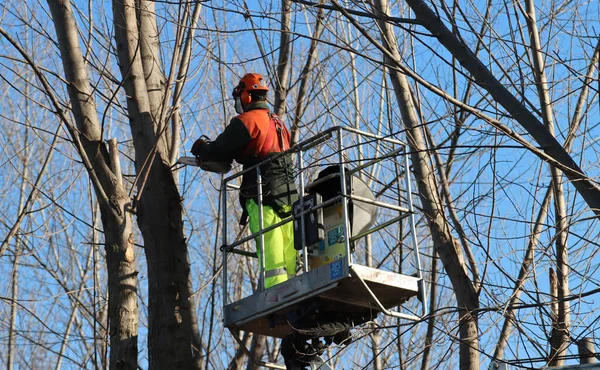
{"x":446,"y":246}
{"x":560,"y":332}
{"x":159,"y":209}
{"x":283,"y":65}
{"x":114,"y":202}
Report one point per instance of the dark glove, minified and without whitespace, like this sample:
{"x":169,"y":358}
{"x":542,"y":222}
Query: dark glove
{"x":200,"y":146}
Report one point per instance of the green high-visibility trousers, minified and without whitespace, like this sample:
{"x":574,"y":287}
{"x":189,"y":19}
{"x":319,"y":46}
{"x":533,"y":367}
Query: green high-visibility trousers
{"x":280,"y":255}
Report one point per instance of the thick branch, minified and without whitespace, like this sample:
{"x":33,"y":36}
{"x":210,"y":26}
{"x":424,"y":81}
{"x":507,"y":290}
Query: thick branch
{"x":304,"y":78}
{"x":588,"y":190}
{"x":182,"y":73}
{"x":445,"y":245}
{"x":283,"y":65}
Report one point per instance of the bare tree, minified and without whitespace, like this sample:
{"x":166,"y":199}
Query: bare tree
{"x":115,"y":205}
{"x":497,"y":101}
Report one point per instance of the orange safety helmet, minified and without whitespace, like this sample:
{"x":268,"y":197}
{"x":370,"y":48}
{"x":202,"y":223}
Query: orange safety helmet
{"x":250,"y":82}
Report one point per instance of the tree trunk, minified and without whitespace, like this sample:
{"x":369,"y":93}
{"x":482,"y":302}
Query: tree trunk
{"x":14,"y":281}
{"x":159,"y":211}
{"x":560,"y":334}
{"x":446,"y":246}
{"x":122,"y":288}
{"x":257,"y":349}
{"x":113,"y":199}
{"x":237,"y":361}
{"x":426,"y":355}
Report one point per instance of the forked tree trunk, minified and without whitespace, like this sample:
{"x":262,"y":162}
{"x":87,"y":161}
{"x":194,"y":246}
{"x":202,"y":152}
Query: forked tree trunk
{"x":159,"y":211}
{"x":114,"y":203}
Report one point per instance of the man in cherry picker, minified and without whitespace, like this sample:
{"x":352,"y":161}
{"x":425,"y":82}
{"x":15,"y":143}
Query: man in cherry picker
{"x":253,"y":136}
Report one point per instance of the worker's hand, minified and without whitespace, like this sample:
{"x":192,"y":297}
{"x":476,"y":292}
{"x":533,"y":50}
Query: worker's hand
{"x":199,"y":146}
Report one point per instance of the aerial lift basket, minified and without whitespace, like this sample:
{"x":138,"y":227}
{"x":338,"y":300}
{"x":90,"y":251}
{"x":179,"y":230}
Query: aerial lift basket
{"x":333,"y":214}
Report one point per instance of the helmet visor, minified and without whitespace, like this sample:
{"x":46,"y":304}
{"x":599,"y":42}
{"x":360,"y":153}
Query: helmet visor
{"x":239,"y":108}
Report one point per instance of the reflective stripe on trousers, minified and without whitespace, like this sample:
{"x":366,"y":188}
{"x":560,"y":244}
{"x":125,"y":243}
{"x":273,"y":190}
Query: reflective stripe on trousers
{"x":280,"y":255}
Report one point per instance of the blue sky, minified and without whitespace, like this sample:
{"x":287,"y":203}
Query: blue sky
{"x":498,"y":180}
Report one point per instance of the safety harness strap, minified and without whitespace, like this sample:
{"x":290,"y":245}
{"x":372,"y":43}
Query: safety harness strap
{"x":277,"y":138}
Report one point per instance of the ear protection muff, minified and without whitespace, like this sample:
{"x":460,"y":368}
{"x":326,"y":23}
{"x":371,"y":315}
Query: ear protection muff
{"x":245,"y":97}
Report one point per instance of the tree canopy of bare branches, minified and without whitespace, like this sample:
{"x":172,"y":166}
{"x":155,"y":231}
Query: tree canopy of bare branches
{"x":110,"y":250}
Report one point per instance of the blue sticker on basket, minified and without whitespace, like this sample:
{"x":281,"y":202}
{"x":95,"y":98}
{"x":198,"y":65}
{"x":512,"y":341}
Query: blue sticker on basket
{"x":332,"y":237}
{"x":322,"y":245}
{"x":335,"y":269}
